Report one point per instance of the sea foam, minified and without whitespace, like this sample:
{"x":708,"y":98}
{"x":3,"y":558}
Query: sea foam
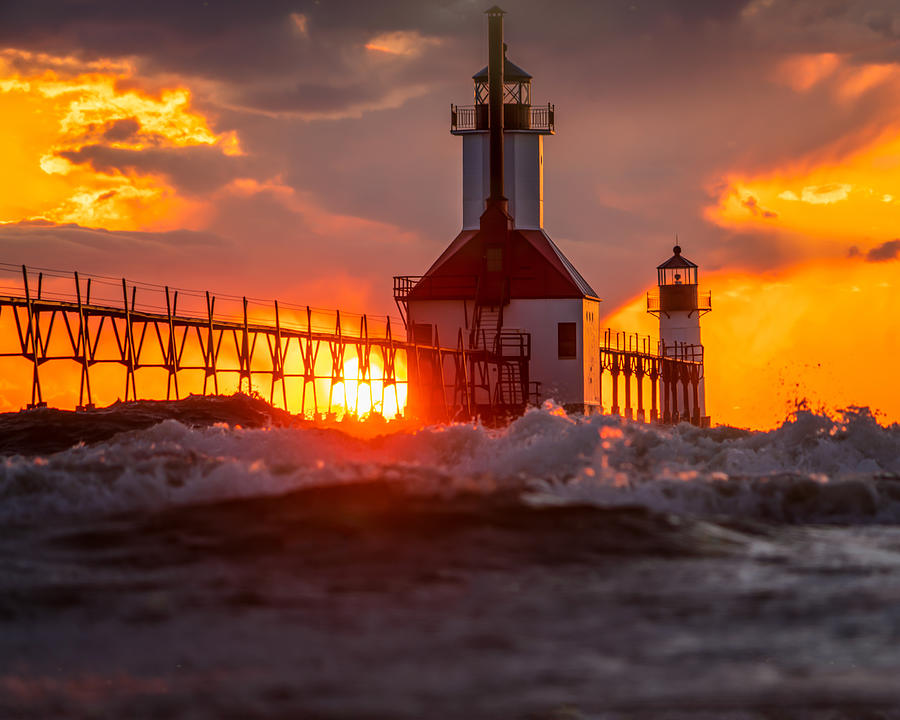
{"x":814,"y":468}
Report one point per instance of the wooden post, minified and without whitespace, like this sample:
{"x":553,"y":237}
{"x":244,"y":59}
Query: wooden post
{"x":695,"y":387}
{"x":673,"y":388}
{"x":171,"y":357}
{"x":665,"y":391}
{"x":129,"y":342}
{"x":84,"y":343}
{"x":245,"y":354}
{"x":211,"y":347}
{"x":626,"y":363}
{"x":309,"y":365}
{"x":615,"y":380}
{"x":440,"y":361}
{"x":640,"y":369}
{"x":336,"y":348}
{"x":32,"y":333}
{"x":280,"y":356}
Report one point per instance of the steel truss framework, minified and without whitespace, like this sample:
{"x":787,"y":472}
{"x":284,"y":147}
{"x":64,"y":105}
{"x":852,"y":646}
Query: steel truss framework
{"x":672,"y":370}
{"x":442,"y":382}
{"x":158,"y":339}
{"x":460,"y":382}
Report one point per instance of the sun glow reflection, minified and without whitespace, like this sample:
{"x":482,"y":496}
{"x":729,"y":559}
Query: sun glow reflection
{"x":360,"y":397}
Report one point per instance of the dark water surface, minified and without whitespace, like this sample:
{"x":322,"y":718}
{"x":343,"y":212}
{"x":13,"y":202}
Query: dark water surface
{"x":560,"y":568}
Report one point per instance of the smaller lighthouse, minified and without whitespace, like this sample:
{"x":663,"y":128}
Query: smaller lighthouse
{"x":679,"y":306}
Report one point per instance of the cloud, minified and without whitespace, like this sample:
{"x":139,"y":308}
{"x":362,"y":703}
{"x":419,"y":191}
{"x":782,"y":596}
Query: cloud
{"x":409,"y":43}
{"x":752,"y":204}
{"x":193,"y":170}
{"x":301,"y":23}
{"x":819,"y":195}
{"x":122,"y":129}
{"x":889,"y":250}
{"x":683,"y":98}
{"x":804,"y":71}
{"x":825,"y":194}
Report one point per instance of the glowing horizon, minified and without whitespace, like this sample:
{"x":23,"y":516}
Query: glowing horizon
{"x":311,"y":161}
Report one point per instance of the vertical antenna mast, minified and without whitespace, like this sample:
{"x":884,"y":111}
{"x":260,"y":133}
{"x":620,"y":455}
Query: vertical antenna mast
{"x":495,"y":76}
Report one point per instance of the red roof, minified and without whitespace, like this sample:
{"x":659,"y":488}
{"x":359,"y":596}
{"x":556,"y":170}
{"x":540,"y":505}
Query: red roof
{"x":535,"y":268}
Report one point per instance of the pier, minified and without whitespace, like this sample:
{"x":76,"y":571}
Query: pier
{"x":307,"y":360}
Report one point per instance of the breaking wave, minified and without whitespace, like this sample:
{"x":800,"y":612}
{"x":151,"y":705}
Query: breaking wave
{"x":814,"y":468}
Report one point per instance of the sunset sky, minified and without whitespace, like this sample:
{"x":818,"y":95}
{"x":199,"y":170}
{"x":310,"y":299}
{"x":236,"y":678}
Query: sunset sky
{"x":301,"y":150}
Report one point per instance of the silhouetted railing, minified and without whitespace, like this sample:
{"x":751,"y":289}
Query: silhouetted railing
{"x":541,"y":118}
{"x":704,"y":301}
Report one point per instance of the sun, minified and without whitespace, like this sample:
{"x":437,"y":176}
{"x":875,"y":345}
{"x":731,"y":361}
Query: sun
{"x":361,"y":397}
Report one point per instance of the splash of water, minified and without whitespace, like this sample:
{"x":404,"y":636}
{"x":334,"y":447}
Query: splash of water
{"x":814,"y":467}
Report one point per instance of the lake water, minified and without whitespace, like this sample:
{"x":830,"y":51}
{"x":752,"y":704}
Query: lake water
{"x":214,"y":559}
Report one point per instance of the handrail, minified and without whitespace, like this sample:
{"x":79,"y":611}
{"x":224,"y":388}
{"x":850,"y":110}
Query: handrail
{"x":524,"y":117}
{"x":405,"y":284}
{"x":104,"y":294}
{"x":646,"y":346}
{"x":704,"y":301}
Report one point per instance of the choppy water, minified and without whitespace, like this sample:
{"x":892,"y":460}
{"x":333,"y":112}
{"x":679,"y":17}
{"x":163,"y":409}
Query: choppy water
{"x":215,"y":559}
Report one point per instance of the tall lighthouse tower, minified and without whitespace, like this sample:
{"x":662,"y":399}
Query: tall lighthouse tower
{"x":503,"y":291}
{"x":679,"y":306}
{"x":524,"y":127}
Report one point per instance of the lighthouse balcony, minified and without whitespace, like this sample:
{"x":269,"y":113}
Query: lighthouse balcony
{"x":441,"y":287}
{"x":678,"y":298}
{"x":539,"y":119}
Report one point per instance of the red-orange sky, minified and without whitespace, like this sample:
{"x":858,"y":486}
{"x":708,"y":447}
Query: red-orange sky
{"x":301,"y":149}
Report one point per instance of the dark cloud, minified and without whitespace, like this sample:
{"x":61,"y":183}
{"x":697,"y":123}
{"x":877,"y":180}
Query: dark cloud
{"x":313,"y":98}
{"x":123,"y":129}
{"x":267,"y":64}
{"x":889,"y":250}
{"x":752,"y":204}
{"x":657,"y":101}
{"x":192,"y":170}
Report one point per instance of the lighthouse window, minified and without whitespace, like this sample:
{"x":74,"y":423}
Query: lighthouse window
{"x":422,"y":334}
{"x":494,"y":257}
{"x":567,"y":346}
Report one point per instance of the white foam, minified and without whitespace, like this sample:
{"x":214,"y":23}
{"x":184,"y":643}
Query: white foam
{"x":812,"y":467}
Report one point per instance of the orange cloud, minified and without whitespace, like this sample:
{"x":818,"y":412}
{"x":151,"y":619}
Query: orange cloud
{"x":804,"y":71}
{"x":830,"y":197}
{"x":844,"y":189}
{"x":57,"y":106}
{"x":823,"y":332}
{"x":401,"y":42}
{"x":300,"y":23}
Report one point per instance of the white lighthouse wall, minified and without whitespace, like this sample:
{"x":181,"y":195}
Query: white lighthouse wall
{"x":523,"y":161}
{"x":561,"y":379}
{"x":476,"y":178}
{"x":572,"y":382}
{"x":523,"y":177}
{"x":679,"y":326}
{"x":448,"y":316}
{"x":683,"y":327}
{"x":591,"y":340}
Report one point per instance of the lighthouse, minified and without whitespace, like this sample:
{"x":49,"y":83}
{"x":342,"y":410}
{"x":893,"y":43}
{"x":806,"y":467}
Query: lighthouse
{"x":502,"y":288}
{"x":524,"y":128}
{"x":679,"y":305}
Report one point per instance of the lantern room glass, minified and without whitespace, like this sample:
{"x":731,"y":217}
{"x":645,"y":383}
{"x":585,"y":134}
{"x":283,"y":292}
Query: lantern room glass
{"x":514,"y":93}
{"x":677,"y":276}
